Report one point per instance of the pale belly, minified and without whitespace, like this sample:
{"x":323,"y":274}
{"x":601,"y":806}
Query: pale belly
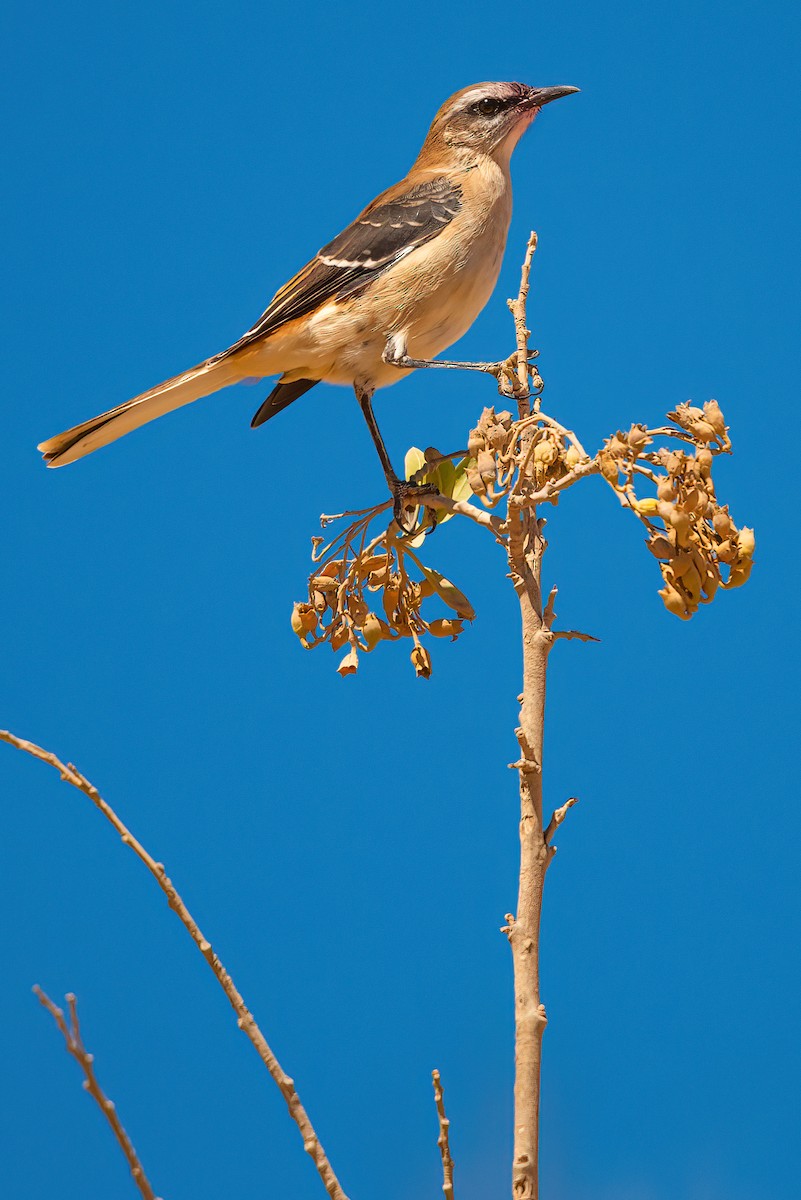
{"x":430,"y":299}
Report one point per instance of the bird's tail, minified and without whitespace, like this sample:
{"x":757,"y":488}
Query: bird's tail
{"x":82,"y":439}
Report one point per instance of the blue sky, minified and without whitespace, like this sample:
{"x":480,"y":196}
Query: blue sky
{"x":350,"y":846}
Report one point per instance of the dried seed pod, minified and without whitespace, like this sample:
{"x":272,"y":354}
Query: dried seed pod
{"x":703,"y":459}
{"x":638,"y":438}
{"x":740,"y":573}
{"x":486,"y":465}
{"x":421,"y":661}
{"x":722,"y":524}
{"x":660,"y":547}
{"x":446,"y":627}
{"x":475,"y":442}
{"x":349,"y":663}
{"x":714,"y":416}
{"x":665,"y":489}
{"x":372,"y":631}
{"x":746,"y":542}
{"x":339,"y":637}
{"x":608,"y":466}
{"x":571,"y":457}
{"x":674,"y":602}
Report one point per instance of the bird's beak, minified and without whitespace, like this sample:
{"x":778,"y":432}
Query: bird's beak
{"x":537,"y":97}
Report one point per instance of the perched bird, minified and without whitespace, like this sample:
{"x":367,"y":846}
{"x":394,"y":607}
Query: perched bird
{"x":403,"y":282}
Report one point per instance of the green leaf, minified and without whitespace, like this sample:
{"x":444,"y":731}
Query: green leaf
{"x":414,"y":460}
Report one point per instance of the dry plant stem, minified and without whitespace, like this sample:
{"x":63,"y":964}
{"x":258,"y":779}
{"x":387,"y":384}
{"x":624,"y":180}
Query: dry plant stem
{"x":245,"y":1019}
{"x":75,"y":1047}
{"x":518,"y":310}
{"x":443,"y":1140}
{"x":525,"y":557}
{"x":526,"y":546}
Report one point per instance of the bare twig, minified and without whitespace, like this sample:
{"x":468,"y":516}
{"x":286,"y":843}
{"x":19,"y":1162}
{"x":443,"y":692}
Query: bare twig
{"x":574,"y":635}
{"x":518,"y":310}
{"x":443,"y":1140}
{"x":466,"y":509}
{"x":245,"y":1020}
{"x":75,"y":1047}
{"x":558,"y":817}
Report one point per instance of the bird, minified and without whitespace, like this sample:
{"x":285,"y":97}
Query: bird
{"x":403,"y":282}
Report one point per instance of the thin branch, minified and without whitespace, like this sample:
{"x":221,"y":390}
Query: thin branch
{"x":465,"y":509}
{"x":75,"y":1047}
{"x":518,"y":310}
{"x":443,"y":1139}
{"x":245,"y":1020}
{"x":574,"y":635}
{"x":557,"y":819}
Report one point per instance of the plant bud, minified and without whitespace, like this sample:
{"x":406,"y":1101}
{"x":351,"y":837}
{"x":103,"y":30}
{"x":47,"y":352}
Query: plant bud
{"x":572,"y":457}
{"x":648,"y":507}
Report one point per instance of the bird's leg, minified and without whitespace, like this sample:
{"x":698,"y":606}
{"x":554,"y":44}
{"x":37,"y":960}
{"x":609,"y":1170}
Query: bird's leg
{"x":405,"y":494}
{"x":395,"y":356}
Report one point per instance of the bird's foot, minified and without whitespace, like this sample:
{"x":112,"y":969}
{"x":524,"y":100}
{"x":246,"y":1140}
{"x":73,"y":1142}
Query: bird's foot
{"x":408,"y":497}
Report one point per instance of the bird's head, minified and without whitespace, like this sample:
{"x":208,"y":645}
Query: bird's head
{"x":487,"y":118}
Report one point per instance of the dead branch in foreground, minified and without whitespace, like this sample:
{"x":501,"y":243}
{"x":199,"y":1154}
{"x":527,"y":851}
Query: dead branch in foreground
{"x":74,"y":1043}
{"x":245,"y":1020}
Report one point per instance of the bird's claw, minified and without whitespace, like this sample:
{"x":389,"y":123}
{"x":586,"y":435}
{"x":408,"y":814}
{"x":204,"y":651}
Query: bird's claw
{"x":407,"y":497}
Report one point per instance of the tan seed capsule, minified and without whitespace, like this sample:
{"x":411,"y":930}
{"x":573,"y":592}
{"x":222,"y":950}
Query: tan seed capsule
{"x":703,"y":431}
{"x":740,"y":573}
{"x":713,"y":414}
{"x":746,"y":542}
{"x":674,"y":602}
{"x":421,"y":661}
{"x":660,"y":547}
{"x":372,"y":631}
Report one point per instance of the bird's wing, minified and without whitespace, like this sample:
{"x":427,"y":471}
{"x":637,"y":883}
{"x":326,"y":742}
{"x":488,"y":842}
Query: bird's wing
{"x":397,"y":222}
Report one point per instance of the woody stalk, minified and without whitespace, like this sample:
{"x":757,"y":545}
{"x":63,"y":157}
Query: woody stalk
{"x":368,"y":588}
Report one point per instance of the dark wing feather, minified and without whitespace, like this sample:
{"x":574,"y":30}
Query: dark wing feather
{"x":282,"y":395}
{"x":389,"y":228}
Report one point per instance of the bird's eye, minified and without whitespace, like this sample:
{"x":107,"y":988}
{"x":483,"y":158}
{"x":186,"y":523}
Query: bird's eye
{"x":488,"y":107}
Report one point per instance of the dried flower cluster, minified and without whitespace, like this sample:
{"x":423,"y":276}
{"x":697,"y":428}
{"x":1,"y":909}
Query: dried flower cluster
{"x":366,"y":591}
{"x":523,"y":455}
{"x":689,"y":531}
{"x":360,"y":597}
